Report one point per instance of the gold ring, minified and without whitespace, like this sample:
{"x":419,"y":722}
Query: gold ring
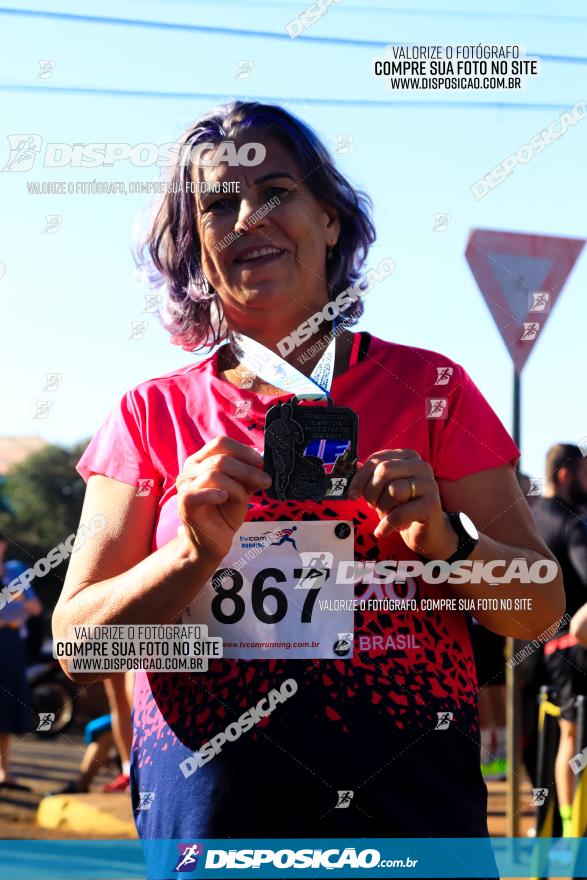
{"x":412,"y":488}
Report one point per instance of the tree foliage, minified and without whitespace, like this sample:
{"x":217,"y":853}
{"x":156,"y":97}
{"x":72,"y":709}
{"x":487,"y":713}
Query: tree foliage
{"x":44,"y":495}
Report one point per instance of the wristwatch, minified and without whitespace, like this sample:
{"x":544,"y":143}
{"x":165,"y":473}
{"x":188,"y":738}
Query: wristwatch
{"x":467,"y":534}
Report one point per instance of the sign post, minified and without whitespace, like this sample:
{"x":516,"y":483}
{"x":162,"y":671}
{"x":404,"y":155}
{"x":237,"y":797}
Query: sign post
{"x":521,"y":277}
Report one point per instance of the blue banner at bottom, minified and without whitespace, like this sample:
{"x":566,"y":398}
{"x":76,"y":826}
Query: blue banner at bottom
{"x":286,"y":857}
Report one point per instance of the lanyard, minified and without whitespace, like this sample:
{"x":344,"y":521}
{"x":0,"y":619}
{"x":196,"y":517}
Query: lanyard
{"x":276,"y":371}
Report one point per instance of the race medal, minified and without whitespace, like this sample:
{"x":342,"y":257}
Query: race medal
{"x":285,"y":590}
{"x":310,"y":451}
{"x":293,"y":434}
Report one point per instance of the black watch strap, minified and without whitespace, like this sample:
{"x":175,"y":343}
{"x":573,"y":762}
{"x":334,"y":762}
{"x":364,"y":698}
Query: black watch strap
{"x":468,"y":537}
{"x":467,"y":541}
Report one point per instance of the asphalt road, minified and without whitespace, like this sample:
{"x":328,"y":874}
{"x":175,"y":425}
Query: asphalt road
{"x":44,"y":764}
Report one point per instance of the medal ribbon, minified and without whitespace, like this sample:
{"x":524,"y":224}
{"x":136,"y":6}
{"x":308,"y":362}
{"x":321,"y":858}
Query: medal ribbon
{"x":274,"y":370}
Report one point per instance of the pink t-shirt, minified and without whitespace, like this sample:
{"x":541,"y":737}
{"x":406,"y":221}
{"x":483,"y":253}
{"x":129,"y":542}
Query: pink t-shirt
{"x":398,"y":393}
{"x":147,"y":437}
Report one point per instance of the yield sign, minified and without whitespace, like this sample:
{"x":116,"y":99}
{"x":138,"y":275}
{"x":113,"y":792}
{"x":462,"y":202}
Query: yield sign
{"x":520,"y":277}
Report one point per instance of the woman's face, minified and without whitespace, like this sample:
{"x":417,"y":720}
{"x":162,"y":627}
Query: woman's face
{"x":272,"y":275}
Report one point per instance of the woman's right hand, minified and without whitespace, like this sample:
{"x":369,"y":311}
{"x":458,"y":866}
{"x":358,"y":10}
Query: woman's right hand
{"x":213,"y":492}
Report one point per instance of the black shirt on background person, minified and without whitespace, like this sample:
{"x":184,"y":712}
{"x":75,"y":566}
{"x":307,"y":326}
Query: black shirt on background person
{"x":563,"y":526}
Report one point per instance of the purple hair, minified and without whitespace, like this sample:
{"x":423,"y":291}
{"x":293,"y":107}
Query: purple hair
{"x":171,"y":251}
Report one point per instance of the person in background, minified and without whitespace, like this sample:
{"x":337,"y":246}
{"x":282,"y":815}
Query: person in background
{"x":99,"y":740}
{"x":531,"y":668}
{"x":561,"y":516}
{"x":15,"y":716}
{"x":578,"y":626}
{"x":488,"y":649}
{"x":119,"y":690}
{"x":103,"y":732}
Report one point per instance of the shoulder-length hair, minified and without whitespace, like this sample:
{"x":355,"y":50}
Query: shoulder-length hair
{"x":171,"y":251}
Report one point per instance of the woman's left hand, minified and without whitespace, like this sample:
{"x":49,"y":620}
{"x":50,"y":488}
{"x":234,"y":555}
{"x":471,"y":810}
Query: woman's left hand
{"x":404,"y":492}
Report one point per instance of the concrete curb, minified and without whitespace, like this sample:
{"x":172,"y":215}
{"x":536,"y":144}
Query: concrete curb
{"x":95,"y":814}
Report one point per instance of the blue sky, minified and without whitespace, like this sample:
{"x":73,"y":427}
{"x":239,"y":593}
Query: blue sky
{"x":68,"y":298}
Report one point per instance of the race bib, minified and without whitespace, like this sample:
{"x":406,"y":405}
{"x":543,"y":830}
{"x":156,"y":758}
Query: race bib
{"x":275,"y":595}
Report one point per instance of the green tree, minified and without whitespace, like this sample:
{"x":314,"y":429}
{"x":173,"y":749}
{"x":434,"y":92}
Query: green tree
{"x":44,"y":495}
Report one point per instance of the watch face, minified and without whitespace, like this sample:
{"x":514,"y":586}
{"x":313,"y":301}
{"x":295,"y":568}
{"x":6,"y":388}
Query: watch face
{"x":469,"y":526}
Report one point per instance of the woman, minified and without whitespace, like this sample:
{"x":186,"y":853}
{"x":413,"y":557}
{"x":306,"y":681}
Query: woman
{"x":260,"y":262}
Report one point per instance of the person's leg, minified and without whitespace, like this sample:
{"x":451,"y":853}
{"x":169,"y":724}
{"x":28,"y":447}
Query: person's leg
{"x":485,"y":723}
{"x":563,"y":773}
{"x":118,"y":689}
{"x":129,"y":687}
{"x":498,"y":713}
{"x":115,"y":688}
{"x":5,"y":774}
{"x":95,"y":757}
